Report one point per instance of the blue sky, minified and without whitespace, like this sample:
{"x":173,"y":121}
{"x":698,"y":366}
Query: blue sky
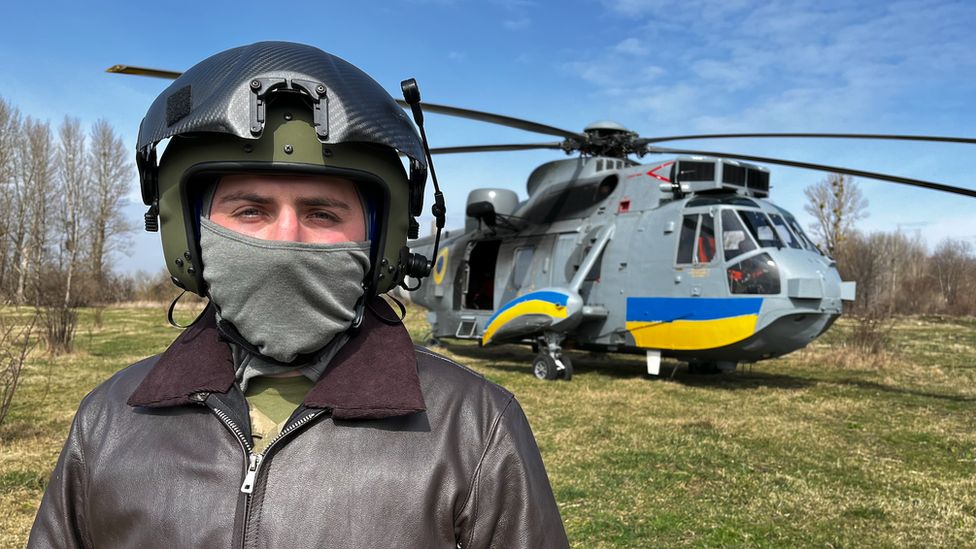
{"x":660,"y":67}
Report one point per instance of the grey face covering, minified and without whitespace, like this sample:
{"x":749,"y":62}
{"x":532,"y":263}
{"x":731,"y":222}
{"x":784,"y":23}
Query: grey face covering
{"x":284,"y":298}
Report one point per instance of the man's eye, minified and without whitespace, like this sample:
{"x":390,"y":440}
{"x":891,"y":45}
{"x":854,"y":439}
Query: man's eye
{"x":248,"y":212}
{"x":326,"y":216}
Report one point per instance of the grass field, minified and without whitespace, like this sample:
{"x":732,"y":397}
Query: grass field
{"x":809,"y":450}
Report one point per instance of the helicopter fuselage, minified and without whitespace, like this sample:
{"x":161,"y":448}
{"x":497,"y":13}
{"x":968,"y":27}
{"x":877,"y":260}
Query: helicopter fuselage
{"x":611,"y":255}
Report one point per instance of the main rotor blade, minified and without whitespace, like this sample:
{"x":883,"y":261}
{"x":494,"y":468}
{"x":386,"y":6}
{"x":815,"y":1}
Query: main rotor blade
{"x":496,"y":148}
{"x":491,"y":118}
{"x":823,"y":168}
{"x":930,"y":138}
{"x":143,"y":71}
{"x":496,"y":119}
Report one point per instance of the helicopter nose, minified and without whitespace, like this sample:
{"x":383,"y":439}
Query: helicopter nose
{"x":810,"y":280}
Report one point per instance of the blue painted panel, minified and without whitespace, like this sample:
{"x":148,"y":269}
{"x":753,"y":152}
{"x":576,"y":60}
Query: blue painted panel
{"x":667,"y":309}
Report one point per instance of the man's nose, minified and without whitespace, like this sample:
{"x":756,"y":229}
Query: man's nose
{"x":287,"y":227}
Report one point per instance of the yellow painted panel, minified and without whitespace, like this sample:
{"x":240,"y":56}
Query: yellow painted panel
{"x":534,"y":306}
{"x":441,"y":262}
{"x":689,"y":335}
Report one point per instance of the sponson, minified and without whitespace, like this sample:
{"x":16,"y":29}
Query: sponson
{"x":394,"y":446}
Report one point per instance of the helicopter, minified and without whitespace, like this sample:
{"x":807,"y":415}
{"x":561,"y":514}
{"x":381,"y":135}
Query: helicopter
{"x":685,"y":257}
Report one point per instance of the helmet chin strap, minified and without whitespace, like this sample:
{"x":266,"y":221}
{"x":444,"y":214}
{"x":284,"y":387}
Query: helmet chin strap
{"x":172,"y":308}
{"x":419,"y":266}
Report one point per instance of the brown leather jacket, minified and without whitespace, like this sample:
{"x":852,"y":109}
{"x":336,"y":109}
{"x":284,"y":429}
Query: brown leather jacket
{"x":393,"y":447}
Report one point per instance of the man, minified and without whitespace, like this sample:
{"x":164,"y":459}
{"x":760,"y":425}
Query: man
{"x":295,"y":412}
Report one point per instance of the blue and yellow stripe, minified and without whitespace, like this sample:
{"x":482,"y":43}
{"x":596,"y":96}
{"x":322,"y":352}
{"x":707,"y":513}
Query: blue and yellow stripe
{"x":691,"y":323}
{"x":549,"y":303}
{"x":440,"y":265}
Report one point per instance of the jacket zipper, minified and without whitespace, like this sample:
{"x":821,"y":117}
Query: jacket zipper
{"x":254,"y":463}
{"x":254,"y":460}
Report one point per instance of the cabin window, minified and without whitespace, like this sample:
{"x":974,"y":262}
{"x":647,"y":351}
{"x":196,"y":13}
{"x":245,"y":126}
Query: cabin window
{"x":754,"y":275}
{"x":735,"y":240}
{"x":696,"y":243}
{"x":521,"y":265}
{"x":784,"y":233}
{"x":761,"y":229}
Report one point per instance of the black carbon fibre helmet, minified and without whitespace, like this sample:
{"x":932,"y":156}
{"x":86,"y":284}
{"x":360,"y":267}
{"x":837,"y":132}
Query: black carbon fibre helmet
{"x":276,"y":107}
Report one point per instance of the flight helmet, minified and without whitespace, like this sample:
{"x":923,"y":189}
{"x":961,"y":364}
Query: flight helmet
{"x":279,"y":107}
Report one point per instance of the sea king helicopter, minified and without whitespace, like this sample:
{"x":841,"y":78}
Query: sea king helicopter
{"x":683,"y":257}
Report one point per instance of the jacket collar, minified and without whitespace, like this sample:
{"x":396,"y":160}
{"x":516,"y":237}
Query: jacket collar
{"x":373,"y":376}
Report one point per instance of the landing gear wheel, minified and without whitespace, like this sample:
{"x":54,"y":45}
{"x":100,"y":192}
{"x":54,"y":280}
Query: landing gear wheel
{"x":567,"y":371}
{"x":544,"y":367}
{"x":432,"y":342}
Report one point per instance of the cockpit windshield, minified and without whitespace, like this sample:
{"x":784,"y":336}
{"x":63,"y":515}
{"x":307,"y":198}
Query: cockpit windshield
{"x":784,"y":232}
{"x":761,"y":229}
{"x":804,"y":239}
{"x":768,"y":230}
{"x":735,"y":240}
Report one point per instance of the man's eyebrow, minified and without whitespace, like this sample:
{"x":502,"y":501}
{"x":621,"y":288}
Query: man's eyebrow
{"x":245,"y":196}
{"x":324,"y":202}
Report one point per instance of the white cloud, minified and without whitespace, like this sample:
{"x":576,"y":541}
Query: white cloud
{"x":631,"y":46}
{"x":456,"y":56}
{"x":778,"y":65}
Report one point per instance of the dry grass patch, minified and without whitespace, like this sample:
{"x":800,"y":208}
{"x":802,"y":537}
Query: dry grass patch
{"x":814,"y":449}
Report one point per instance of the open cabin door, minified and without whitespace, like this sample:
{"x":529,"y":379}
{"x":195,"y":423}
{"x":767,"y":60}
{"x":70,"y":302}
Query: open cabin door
{"x":478,"y":279}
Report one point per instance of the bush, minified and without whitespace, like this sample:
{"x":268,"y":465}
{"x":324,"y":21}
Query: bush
{"x":15,"y":344}
{"x":59,"y":329}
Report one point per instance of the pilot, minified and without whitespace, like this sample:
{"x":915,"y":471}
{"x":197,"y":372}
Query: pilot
{"x":296,"y":411}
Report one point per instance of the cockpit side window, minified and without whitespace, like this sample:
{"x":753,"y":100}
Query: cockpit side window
{"x":735,"y":240}
{"x":706,"y":239}
{"x":761,"y":229}
{"x":696,"y":243}
{"x":784,"y":232}
{"x":686,"y":242}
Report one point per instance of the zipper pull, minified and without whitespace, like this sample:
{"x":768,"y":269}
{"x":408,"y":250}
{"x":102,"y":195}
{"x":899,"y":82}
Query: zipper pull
{"x":254,"y":461}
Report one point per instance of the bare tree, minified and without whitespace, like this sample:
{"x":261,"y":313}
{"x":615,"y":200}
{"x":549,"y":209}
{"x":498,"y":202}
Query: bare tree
{"x":9,"y":132}
{"x":111,"y":173}
{"x":914,"y":293}
{"x":15,"y":345}
{"x":31,"y":193}
{"x":836,"y":203}
{"x":72,"y":196}
{"x":953,"y":266}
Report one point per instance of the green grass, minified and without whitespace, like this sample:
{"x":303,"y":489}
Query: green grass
{"x":815,"y":449}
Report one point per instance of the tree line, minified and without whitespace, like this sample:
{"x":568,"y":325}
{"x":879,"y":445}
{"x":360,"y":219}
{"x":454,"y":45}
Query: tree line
{"x":896,"y":273}
{"x":61,"y":194}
